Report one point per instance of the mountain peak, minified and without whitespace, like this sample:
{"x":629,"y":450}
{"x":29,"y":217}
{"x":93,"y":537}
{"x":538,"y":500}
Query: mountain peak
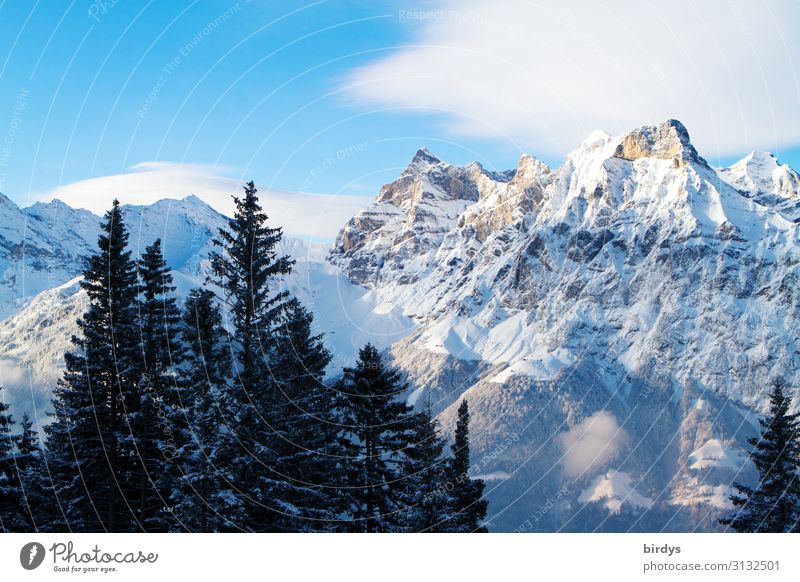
{"x":424,"y":154}
{"x":668,"y":140}
{"x":760,"y":156}
{"x":422,"y":160}
{"x":192,"y":199}
{"x":529,"y":167}
{"x":761,"y":175}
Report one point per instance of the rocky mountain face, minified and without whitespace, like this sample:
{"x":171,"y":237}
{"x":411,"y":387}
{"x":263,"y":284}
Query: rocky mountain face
{"x":634,"y":295}
{"x":614,"y":323}
{"x":42,"y":254}
{"x":44,"y":246}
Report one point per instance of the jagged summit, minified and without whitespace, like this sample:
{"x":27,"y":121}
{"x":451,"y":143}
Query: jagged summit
{"x":425,"y":155}
{"x":668,"y":141}
{"x":530,"y":168}
{"x":560,"y":300}
{"x":422,"y":161}
{"x":761,"y":176}
{"x":633,"y":277}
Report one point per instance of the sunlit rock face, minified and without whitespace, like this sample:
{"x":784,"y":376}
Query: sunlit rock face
{"x":634,"y":281}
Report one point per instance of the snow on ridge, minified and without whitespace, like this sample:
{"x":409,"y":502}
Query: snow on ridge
{"x":714,"y":453}
{"x":614,"y":491}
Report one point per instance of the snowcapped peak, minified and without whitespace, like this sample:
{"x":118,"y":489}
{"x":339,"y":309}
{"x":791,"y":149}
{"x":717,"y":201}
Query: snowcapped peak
{"x":422,"y":160}
{"x":530,"y":169}
{"x":193,"y":200}
{"x":530,"y":164}
{"x":425,"y":153}
{"x":760,"y":175}
{"x":6,"y":201}
{"x":597,"y":138}
{"x":668,"y":140}
{"x":756,"y":164}
{"x":760,"y":157}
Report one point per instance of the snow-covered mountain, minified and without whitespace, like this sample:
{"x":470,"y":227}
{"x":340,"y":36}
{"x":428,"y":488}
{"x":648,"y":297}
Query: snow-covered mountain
{"x":44,"y":245}
{"x":43,"y":251}
{"x":635,"y":295}
{"x":615,"y":322}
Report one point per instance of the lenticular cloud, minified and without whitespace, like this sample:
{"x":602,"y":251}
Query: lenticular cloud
{"x":544,"y":75}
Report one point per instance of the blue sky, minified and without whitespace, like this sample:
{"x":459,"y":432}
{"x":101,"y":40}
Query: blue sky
{"x":258,"y":96}
{"x":335,"y":97}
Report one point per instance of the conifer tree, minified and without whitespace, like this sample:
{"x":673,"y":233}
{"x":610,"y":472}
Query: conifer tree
{"x":26,"y":441}
{"x":424,"y":477}
{"x":203,"y":500}
{"x":305,"y":428}
{"x":246,"y":269}
{"x":9,"y":488}
{"x":154,"y":416}
{"x":375,"y":431}
{"x":467,"y":506}
{"x":772,"y":505}
{"x":92,"y":454}
{"x":37,"y":505}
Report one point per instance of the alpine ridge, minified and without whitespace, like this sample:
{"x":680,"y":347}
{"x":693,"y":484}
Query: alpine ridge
{"x":615,"y":323}
{"x":635,"y":295}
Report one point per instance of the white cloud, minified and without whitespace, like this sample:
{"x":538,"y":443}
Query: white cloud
{"x":545,"y":74}
{"x":591,"y":443}
{"x":302,"y":215}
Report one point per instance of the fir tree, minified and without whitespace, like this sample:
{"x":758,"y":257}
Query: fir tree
{"x":9,"y":487}
{"x":305,"y":429}
{"x":154,"y":416}
{"x":93,"y":457}
{"x":246,"y":270}
{"x":376,"y":425}
{"x":26,"y":441}
{"x":772,"y":505}
{"x":37,"y":504}
{"x":204,"y":500}
{"x":424,"y":477}
{"x":467,"y":506}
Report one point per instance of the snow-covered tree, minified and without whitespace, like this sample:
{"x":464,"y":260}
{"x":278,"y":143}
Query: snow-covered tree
{"x":424,"y":478}
{"x":246,"y":269}
{"x":306,"y":431}
{"x":772,"y":504}
{"x":375,"y":430}
{"x":9,"y":487}
{"x":155,"y":417}
{"x":92,"y":452}
{"x":203,"y":498}
{"x":467,"y":506}
{"x":38,"y":506}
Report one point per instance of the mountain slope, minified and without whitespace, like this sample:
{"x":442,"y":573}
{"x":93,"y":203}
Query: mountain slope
{"x":633,"y":281}
{"x":615,"y":322}
{"x":37,"y":329}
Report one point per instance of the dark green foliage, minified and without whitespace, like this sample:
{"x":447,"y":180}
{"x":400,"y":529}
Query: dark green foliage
{"x":773,"y":505}
{"x":93,"y":456}
{"x":154,"y":419}
{"x":38,"y":506}
{"x":246,"y":269}
{"x":9,"y":486}
{"x":424,"y":477}
{"x":375,"y":430}
{"x":468,"y":508}
{"x":305,"y":428}
{"x":203,"y":498}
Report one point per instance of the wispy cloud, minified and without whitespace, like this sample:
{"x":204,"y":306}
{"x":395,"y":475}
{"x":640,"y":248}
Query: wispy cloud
{"x":317,"y":216}
{"x":591,"y":443}
{"x":545,"y":74}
